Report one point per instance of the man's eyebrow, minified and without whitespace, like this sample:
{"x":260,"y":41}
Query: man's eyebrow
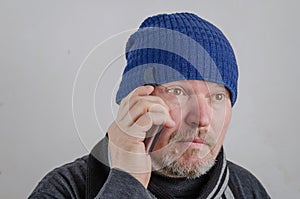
{"x":216,"y":85}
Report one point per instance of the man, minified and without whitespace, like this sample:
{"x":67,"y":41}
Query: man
{"x":176,"y":96}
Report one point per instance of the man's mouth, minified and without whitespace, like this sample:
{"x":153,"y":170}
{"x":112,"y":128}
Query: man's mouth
{"x":199,"y":140}
{"x":193,"y":141}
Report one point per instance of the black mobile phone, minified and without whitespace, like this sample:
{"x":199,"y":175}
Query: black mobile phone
{"x":153,"y":133}
{"x":152,"y":136}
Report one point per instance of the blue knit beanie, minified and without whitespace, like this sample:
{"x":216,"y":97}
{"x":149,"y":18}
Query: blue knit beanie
{"x":180,"y":46}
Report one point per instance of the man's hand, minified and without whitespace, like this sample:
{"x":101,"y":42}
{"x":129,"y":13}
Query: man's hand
{"x":138,"y":112}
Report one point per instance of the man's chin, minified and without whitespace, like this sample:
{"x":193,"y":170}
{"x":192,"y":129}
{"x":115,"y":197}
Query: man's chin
{"x":192,"y":159}
{"x":194,"y":154}
{"x":189,"y":165}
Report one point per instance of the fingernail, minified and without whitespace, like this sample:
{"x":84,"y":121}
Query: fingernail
{"x":150,"y":87}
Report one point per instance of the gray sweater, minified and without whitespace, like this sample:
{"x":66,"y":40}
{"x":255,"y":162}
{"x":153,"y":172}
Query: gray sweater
{"x":90,"y":177}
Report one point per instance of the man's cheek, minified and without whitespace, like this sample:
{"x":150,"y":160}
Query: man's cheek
{"x":167,"y":132}
{"x":176,"y":115}
{"x":164,"y":138}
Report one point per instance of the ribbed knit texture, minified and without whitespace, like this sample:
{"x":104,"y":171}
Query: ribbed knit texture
{"x":180,"y":46}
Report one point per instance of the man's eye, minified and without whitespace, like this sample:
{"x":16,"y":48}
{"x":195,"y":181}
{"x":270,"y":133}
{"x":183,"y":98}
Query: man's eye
{"x":219,"y":96}
{"x":175,"y":91}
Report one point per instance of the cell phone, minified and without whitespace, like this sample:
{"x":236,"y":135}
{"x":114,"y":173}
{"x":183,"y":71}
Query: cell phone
{"x":153,"y":133}
{"x":152,"y":137}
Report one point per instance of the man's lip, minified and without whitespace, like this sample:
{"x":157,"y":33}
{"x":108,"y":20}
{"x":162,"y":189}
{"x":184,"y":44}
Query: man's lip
{"x":195,"y":140}
{"x":199,"y":140}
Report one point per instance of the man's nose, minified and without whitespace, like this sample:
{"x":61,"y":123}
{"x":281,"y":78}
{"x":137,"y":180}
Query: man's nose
{"x":199,"y":112}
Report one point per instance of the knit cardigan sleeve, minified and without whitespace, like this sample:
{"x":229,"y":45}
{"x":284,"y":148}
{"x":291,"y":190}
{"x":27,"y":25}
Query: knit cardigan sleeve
{"x":69,"y":181}
{"x":120,"y":184}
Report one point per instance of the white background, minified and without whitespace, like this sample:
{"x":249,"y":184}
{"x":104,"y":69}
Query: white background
{"x":44,"y":43}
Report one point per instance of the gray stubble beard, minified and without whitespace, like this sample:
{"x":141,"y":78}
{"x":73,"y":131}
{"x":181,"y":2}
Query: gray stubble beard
{"x":191,"y":170}
{"x":170,"y":164}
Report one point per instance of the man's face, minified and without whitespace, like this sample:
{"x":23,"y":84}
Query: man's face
{"x":201,"y":111}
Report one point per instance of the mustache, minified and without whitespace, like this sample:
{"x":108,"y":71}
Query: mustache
{"x":190,"y":134}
